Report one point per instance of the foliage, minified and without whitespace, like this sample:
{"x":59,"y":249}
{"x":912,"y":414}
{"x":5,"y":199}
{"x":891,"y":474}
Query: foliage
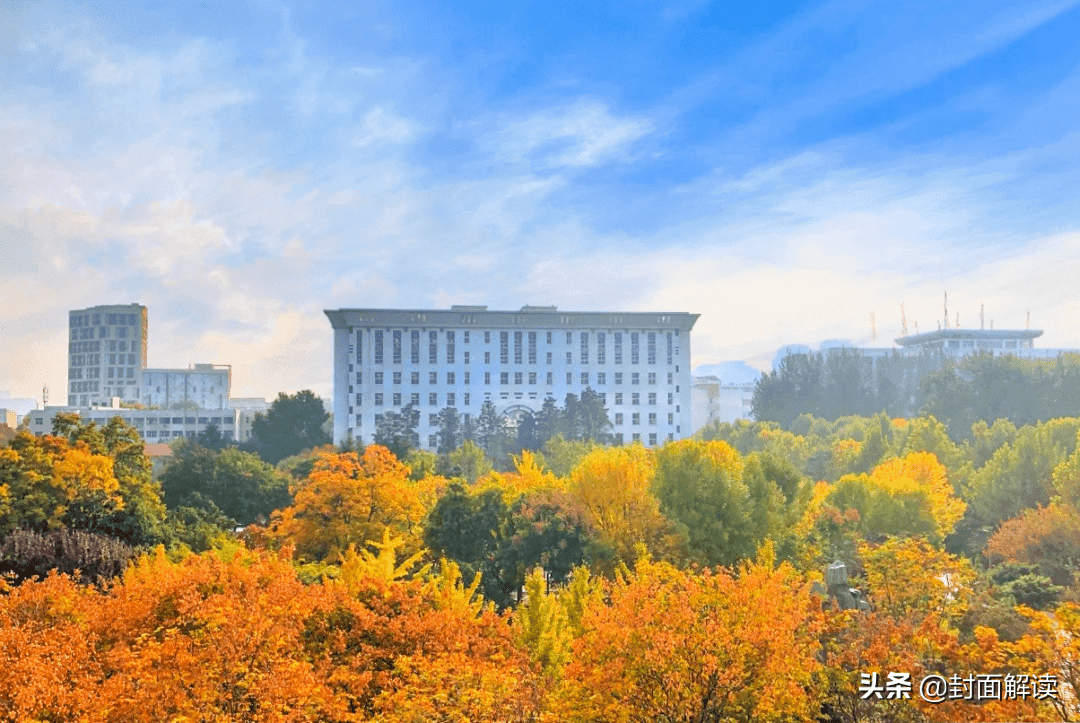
{"x":292,"y":424}
{"x":349,"y":500}
{"x":238,"y":484}
{"x":90,"y":556}
{"x":1046,"y":537}
{"x":398,"y":431}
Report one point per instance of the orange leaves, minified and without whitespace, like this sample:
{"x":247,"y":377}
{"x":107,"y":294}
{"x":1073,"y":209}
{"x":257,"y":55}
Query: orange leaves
{"x":349,"y":500}
{"x":677,"y":646}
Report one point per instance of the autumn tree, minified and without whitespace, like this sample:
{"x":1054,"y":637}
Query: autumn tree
{"x":349,"y":500}
{"x":293,"y":423}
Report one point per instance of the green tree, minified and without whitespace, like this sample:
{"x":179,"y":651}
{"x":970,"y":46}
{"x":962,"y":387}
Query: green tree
{"x":592,"y":418}
{"x":492,"y":434}
{"x":292,"y":424}
{"x":467,"y":462}
{"x":239,"y":484}
{"x":398,"y":431}
{"x":449,"y":435}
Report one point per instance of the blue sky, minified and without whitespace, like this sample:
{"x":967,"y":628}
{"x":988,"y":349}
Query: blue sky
{"x":783,"y":169}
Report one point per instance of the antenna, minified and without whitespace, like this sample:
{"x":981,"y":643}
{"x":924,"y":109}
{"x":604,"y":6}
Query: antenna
{"x":916,"y":326}
{"x":903,"y":320}
{"x":946,"y":309}
{"x":44,"y":396}
{"x":873,"y":329}
{"x":957,"y":320}
{"x":982,"y":322}
{"x":1028,"y":320}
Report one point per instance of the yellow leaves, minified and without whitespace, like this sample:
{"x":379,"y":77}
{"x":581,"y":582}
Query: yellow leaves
{"x":920,"y":475}
{"x":909,"y":575}
{"x":80,"y":474}
{"x":350,"y":500}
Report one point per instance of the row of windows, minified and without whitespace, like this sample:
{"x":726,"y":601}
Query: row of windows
{"x":80,"y":347}
{"x":396,"y":400}
{"x":121,"y":332}
{"x":635,"y":419}
{"x":519,"y":338}
{"x":85,"y":320}
{"x":519,"y":378}
{"x":153,"y":434}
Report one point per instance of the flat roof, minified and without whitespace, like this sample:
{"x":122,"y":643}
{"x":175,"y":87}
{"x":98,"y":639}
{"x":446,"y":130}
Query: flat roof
{"x":980,"y":334}
{"x":529,"y":317}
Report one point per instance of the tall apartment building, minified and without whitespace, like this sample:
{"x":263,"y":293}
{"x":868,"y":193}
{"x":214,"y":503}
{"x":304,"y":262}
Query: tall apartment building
{"x":106,"y":354}
{"x":385,"y":359}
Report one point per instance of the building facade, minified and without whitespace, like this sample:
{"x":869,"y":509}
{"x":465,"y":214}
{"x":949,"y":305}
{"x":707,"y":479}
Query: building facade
{"x":463,"y":357}
{"x":713,"y":401}
{"x":153,"y":425}
{"x":106,"y":354}
{"x":204,"y":385}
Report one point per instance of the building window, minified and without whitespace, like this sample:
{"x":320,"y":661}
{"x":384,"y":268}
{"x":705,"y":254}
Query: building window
{"x":360,"y":399}
{"x":569,"y":338}
{"x":670,"y":418}
{"x":433,"y":347}
{"x":652,"y":378}
{"x":433,"y":378}
{"x":397,"y":346}
{"x":450,"y":353}
{"x":504,"y":347}
{"x":601,"y":348}
{"x":652,"y":417}
{"x":532,"y":378}
{"x":569,"y":378}
{"x":550,"y":379}
{"x":670,"y":378}
{"x":487,"y":357}
{"x":414,"y":399}
{"x":601,"y":378}
{"x":378,"y":377}
{"x":549,"y":357}
{"x":465,"y":341}
{"x":397,"y":378}
{"x":618,"y":347}
{"x":651,"y":349}
{"x":397,"y":399}
{"x":652,"y":398}
{"x":504,"y":378}
{"x":618,"y":378}
{"x":414,"y":346}
{"x":635,"y":379}
{"x":518,"y":378}
{"x":378,"y":419}
{"x":618,"y":438}
{"x":487,"y":377}
{"x":517,"y":347}
{"x":487,"y":337}
{"x":378,"y":399}
{"x":414,"y":378}
{"x":450,"y":399}
{"x":669,"y":347}
{"x":433,"y":399}
{"x":466,"y":400}
{"x":359,"y":345}
{"x":635,"y":398}
{"x":618,"y":398}
{"x":433,"y":441}
{"x":635,"y":351}
{"x":652,"y":438}
{"x":532,"y":347}
{"x":584,"y":379}
{"x":569,"y":359}
{"x":670,"y":398}
{"x":379,"y":347}
{"x":584,"y":336}
{"x":451,"y":377}
{"x":432,"y":419}
{"x":466,"y":378}
{"x":635,"y":419}
{"x":618,"y":418}
{"x":466,"y":354}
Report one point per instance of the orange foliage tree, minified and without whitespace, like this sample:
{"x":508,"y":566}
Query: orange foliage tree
{"x":673,"y":645}
{"x":349,"y":500}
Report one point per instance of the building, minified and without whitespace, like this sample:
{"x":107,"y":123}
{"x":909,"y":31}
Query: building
{"x":106,"y":354}
{"x":9,"y":418}
{"x":153,"y":425}
{"x":207,"y":386}
{"x":713,"y":401}
{"x":961,"y":342}
{"x":463,"y":357}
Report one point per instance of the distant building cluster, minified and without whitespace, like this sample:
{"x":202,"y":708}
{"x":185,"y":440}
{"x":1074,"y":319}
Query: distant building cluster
{"x":384,"y":359}
{"x":108,"y":376}
{"x":714,"y":401}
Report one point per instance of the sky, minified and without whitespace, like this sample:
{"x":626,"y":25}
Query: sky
{"x":791,"y":171}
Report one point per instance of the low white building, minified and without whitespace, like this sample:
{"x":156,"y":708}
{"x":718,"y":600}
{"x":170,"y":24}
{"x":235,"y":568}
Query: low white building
{"x":713,"y":401}
{"x":153,"y":425}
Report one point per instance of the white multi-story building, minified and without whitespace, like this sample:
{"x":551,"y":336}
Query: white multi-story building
{"x":713,"y":401}
{"x":106,"y":354}
{"x":385,"y":359}
{"x":153,"y":425}
{"x":205,"y":385}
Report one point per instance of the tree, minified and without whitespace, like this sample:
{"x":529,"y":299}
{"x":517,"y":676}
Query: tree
{"x":292,"y":424}
{"x":210,"y":438}
{"x":467,"y":462}
{"x":678,"y":646}
{"x":492,"y":434}
{"x":398,"y":431}
{"x":349,"y":500}
{"x":592,"y":418}
{"x":449,"y":434}
{"x":239,"y":484}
